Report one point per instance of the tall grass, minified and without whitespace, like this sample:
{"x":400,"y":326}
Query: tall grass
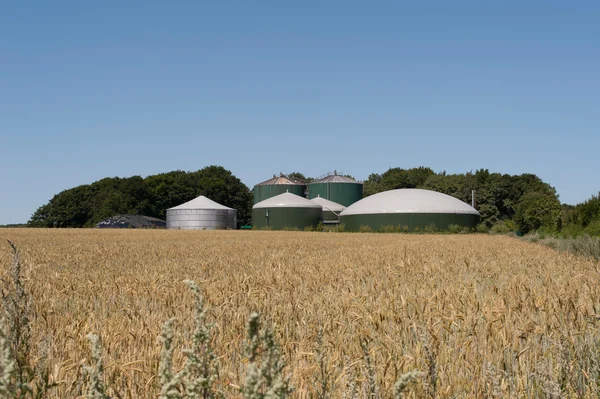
{"x":586,"y":246}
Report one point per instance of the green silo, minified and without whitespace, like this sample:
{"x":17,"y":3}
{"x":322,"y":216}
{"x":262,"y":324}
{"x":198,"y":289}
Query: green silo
{"x":278,"y":185}
{"x":285,"y":211}
{"x":340,"y":189}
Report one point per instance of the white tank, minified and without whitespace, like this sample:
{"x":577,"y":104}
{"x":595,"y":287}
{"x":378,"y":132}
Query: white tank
{"x":328,"y":206}
{"x":201,"y":213}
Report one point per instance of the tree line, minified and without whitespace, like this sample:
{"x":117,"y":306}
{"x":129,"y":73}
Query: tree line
{"x":86,"y":205}
{"x":515,"y":202}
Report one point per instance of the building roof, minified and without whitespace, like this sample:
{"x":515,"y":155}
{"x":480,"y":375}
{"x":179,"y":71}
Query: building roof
{"x":409,"y":200}
{"x":201,"y":202}
{"x":328,"y":205}
{"x":131,"y":221}
{"x":335,"y":178}
{"x":286,"y":200}
{"x":281,"y":179}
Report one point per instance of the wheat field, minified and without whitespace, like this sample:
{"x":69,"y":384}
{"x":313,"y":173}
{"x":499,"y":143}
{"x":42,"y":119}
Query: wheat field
{"x":480,"y":315}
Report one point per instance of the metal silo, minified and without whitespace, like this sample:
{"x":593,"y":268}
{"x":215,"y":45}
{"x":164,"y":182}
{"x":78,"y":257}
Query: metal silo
{"x":341,"y":189}
{"x":409,"y":209}
{"x":201,"y":213}
{"x":278,"y":185}
{"x":286,"y":210}
{"x":331,"y":210}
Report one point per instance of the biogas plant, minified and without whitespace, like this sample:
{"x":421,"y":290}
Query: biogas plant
{"x":333,"y":201}
{"x":337,"y":200}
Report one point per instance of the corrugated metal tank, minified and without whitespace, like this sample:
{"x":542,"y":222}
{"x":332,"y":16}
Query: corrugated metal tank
{"x":409,"y":210}
{"x":278,"y":185}
{"x":201,"y":213}
{"x":284,"y":211}
{"x":331,"y":210}
{"x":341,"y":189}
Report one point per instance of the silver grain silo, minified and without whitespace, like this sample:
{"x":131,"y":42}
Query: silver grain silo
{"x":201,"y":214}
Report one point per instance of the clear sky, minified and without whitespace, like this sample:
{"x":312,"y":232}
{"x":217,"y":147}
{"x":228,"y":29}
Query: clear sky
{"x":113,"y":88}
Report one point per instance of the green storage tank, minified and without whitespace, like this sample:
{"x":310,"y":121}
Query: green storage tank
{"x":331,"y":210}
{"x":340,"y":189}
{"x":278,"y":185}
{"x":286,"y":211}
{"x":409,"y":209}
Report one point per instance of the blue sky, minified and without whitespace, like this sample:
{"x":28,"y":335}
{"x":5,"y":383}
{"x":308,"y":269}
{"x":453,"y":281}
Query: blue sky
{"x":96,"y":89}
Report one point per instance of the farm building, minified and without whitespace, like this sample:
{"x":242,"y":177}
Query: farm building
{"x":132,"y":222}
{"x":341,"y":189}
{"x":201,"y":213}
{"x":410,"y":208}
{"x":331,"y":210}
{"x":278,"y":185}
{"x":286,"y":210}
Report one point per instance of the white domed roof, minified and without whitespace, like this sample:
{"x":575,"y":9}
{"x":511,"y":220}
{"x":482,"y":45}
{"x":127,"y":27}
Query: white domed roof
{"x":328,"y":205}
{"x":409,"y":200}
{"x":201,"y":202}
{"x":286,"y":200}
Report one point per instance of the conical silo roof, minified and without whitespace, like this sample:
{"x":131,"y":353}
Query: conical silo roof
{"x":328,"y":205}
{"x":335,"y":178}
{"x":280,"y":180}
{"x":286,"y":200}
{"x":201,"y":202}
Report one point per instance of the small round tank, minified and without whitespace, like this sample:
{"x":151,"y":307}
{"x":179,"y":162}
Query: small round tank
{"x":331,"y":210}
{"x":285,"y":211}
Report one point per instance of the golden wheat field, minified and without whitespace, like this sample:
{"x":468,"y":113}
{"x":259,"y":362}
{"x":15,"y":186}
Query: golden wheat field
{"x":480,"y":315}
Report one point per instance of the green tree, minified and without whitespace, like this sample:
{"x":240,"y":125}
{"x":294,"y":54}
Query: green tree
{"x":537,"y":209}
{"x":86,"y":205}
{"x":300,"y":177}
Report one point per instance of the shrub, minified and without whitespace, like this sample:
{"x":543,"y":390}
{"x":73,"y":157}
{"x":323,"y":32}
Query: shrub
{"x":319,"y":226}
{"x":482,"y":228}
{"x":431,"y":228}
{"x":499,"y":228}
{"x":201,"y":367}
{"x":365,"y":229}
{"x":454,"y":229}
{"x":96,"y":389}
{"x":593,"y":229}
{"x":16,"y":322}
{"x":387,"y":229}
{"x":264,"y":375}
{"x":20,"y":374}
{"x":510,"y":224}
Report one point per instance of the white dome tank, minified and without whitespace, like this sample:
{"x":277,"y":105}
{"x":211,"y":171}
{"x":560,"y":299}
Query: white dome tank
{"x":413,"y":209}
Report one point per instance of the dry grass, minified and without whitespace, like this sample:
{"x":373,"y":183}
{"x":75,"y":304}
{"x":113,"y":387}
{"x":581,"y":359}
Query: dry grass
{"x":490,"y":316}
